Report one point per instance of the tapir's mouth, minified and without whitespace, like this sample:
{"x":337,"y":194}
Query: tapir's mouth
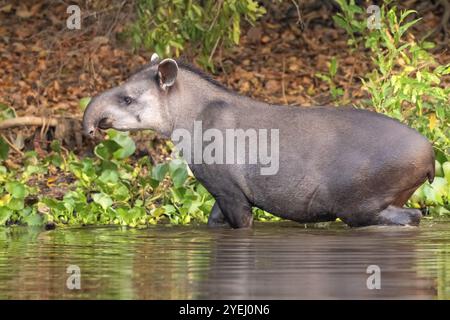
{"x":105,"y":123}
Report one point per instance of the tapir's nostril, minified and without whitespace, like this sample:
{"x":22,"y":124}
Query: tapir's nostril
{"x":105,"y":123}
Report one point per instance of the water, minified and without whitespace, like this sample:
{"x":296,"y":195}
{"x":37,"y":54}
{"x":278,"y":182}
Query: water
{"x":271,"y":261}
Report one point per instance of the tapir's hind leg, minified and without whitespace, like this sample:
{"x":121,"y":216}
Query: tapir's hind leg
{"x":391,"y":216}
{"x":403,"y":197}
{"x":399,"y":216}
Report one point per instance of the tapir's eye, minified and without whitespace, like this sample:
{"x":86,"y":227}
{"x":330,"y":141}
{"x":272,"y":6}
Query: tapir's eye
{"x":128,"y":100}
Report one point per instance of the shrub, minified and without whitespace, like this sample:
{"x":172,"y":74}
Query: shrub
{"x":405,"y":83}
{"x":172,"y":26}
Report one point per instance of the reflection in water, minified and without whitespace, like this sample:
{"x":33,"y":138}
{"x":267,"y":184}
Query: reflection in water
{"x":271,"y":261}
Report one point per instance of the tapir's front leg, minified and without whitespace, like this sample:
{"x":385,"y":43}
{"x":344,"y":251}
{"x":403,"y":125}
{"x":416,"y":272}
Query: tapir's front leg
{"x":236,"y":210}
{"x":216,"y":217}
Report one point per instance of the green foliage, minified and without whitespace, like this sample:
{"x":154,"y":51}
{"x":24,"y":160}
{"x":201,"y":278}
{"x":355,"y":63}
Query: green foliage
{"x":107,"y":189}
{"x":172,"y":26}
{"x":4,"y":149}
{"x":436,"y":196}
{"x":84,"y":103}
{"x":6,"y":112}
{"x":348,"y":20}
{"x":329,"y":78}
{"x":406,"y":83}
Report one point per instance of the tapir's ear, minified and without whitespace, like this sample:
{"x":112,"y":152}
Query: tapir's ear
{"x":154,"y":58}
{"x":167,"y":73}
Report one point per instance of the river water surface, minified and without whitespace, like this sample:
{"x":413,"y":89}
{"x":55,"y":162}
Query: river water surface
{"x":271,"y":261}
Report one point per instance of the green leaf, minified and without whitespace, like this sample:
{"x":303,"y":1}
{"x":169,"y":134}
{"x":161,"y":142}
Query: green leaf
{"x":5,"y":214}
{"x":103,"y":200}
{"x":160,"y":171}
{"x":84,"y":103}
{"x":438,"y":169}
{"x":178,"y":172}
{"x":6,"y":112}
{"x":340,"y":22}
{"x":236,"y":28}
{"x":109,"y":176}
{"x":179,"y":177}
{"x":333,"y":66}
{"x":33,"y":220}
{"x":106,"y":149}
{"x":4,"y":149}
{"x":16,"y":189}
{"x":446,"y":169}
{"x":121,"y":192}
{"x":56,"y":145}
{"x":127,"y":145}
{"x":15,"y":204}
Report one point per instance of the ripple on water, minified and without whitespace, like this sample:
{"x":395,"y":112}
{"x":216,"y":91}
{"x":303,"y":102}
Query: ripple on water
{"x":272,"y":260}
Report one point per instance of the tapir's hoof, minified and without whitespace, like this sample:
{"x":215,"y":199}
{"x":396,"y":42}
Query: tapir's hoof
{"x":400,"y":216}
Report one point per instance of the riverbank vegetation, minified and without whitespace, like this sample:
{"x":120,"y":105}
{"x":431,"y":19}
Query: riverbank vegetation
{"x":53,"y":176}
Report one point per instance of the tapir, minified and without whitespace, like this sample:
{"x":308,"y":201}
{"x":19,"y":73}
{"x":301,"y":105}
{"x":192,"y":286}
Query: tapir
{"x":333,"y":162}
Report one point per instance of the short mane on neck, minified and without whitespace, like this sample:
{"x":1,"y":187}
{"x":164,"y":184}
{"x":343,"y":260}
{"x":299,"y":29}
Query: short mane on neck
{"x":182,"y":64}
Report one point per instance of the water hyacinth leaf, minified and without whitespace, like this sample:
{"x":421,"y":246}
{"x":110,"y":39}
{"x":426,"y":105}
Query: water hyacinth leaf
{"x":178,"y":172}
{"x":201,"y":190}
{"x":121,"y":193}
{"x":103,"y":200}
{"x":438,"y":169}
{"x":178,"y":194}
{"x":431,"y":196}
{"x":169,"y":209}
{"x":33,"y":220}
{"x":440,"y":186}
{"x":157,"y":212}
{"x":446,"y":171}
{"x":127,"y":145}
{"x":109,"y":176}
{"x":15,"y":204}
{"x":16,"y":189}
{"x":55,"y":205}
{"x":105,"y":150}
{"x":5,"y":214}
{"x":159,"y":171}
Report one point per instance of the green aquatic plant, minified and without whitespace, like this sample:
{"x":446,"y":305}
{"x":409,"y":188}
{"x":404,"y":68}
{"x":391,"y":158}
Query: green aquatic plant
{"x":110,"y":188}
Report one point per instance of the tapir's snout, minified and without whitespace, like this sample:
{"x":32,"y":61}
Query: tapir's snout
{"x":89,"y":120}
{"x":94,"y":118}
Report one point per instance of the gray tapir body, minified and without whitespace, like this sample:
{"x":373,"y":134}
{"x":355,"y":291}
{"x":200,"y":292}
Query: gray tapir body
{"x":344,"y":163}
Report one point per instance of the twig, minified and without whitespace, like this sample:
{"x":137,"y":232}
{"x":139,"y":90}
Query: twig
{"x":28,"y":121}
{"x":213,"y":50}
{"x":283,"y":89}
{"x":219,"y":5}
{"x":116,"y":18}
{"x":11,"y":145}
{"x":299,"y":19}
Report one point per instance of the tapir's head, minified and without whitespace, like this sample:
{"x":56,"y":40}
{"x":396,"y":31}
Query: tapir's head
{"x":139,"y":103}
